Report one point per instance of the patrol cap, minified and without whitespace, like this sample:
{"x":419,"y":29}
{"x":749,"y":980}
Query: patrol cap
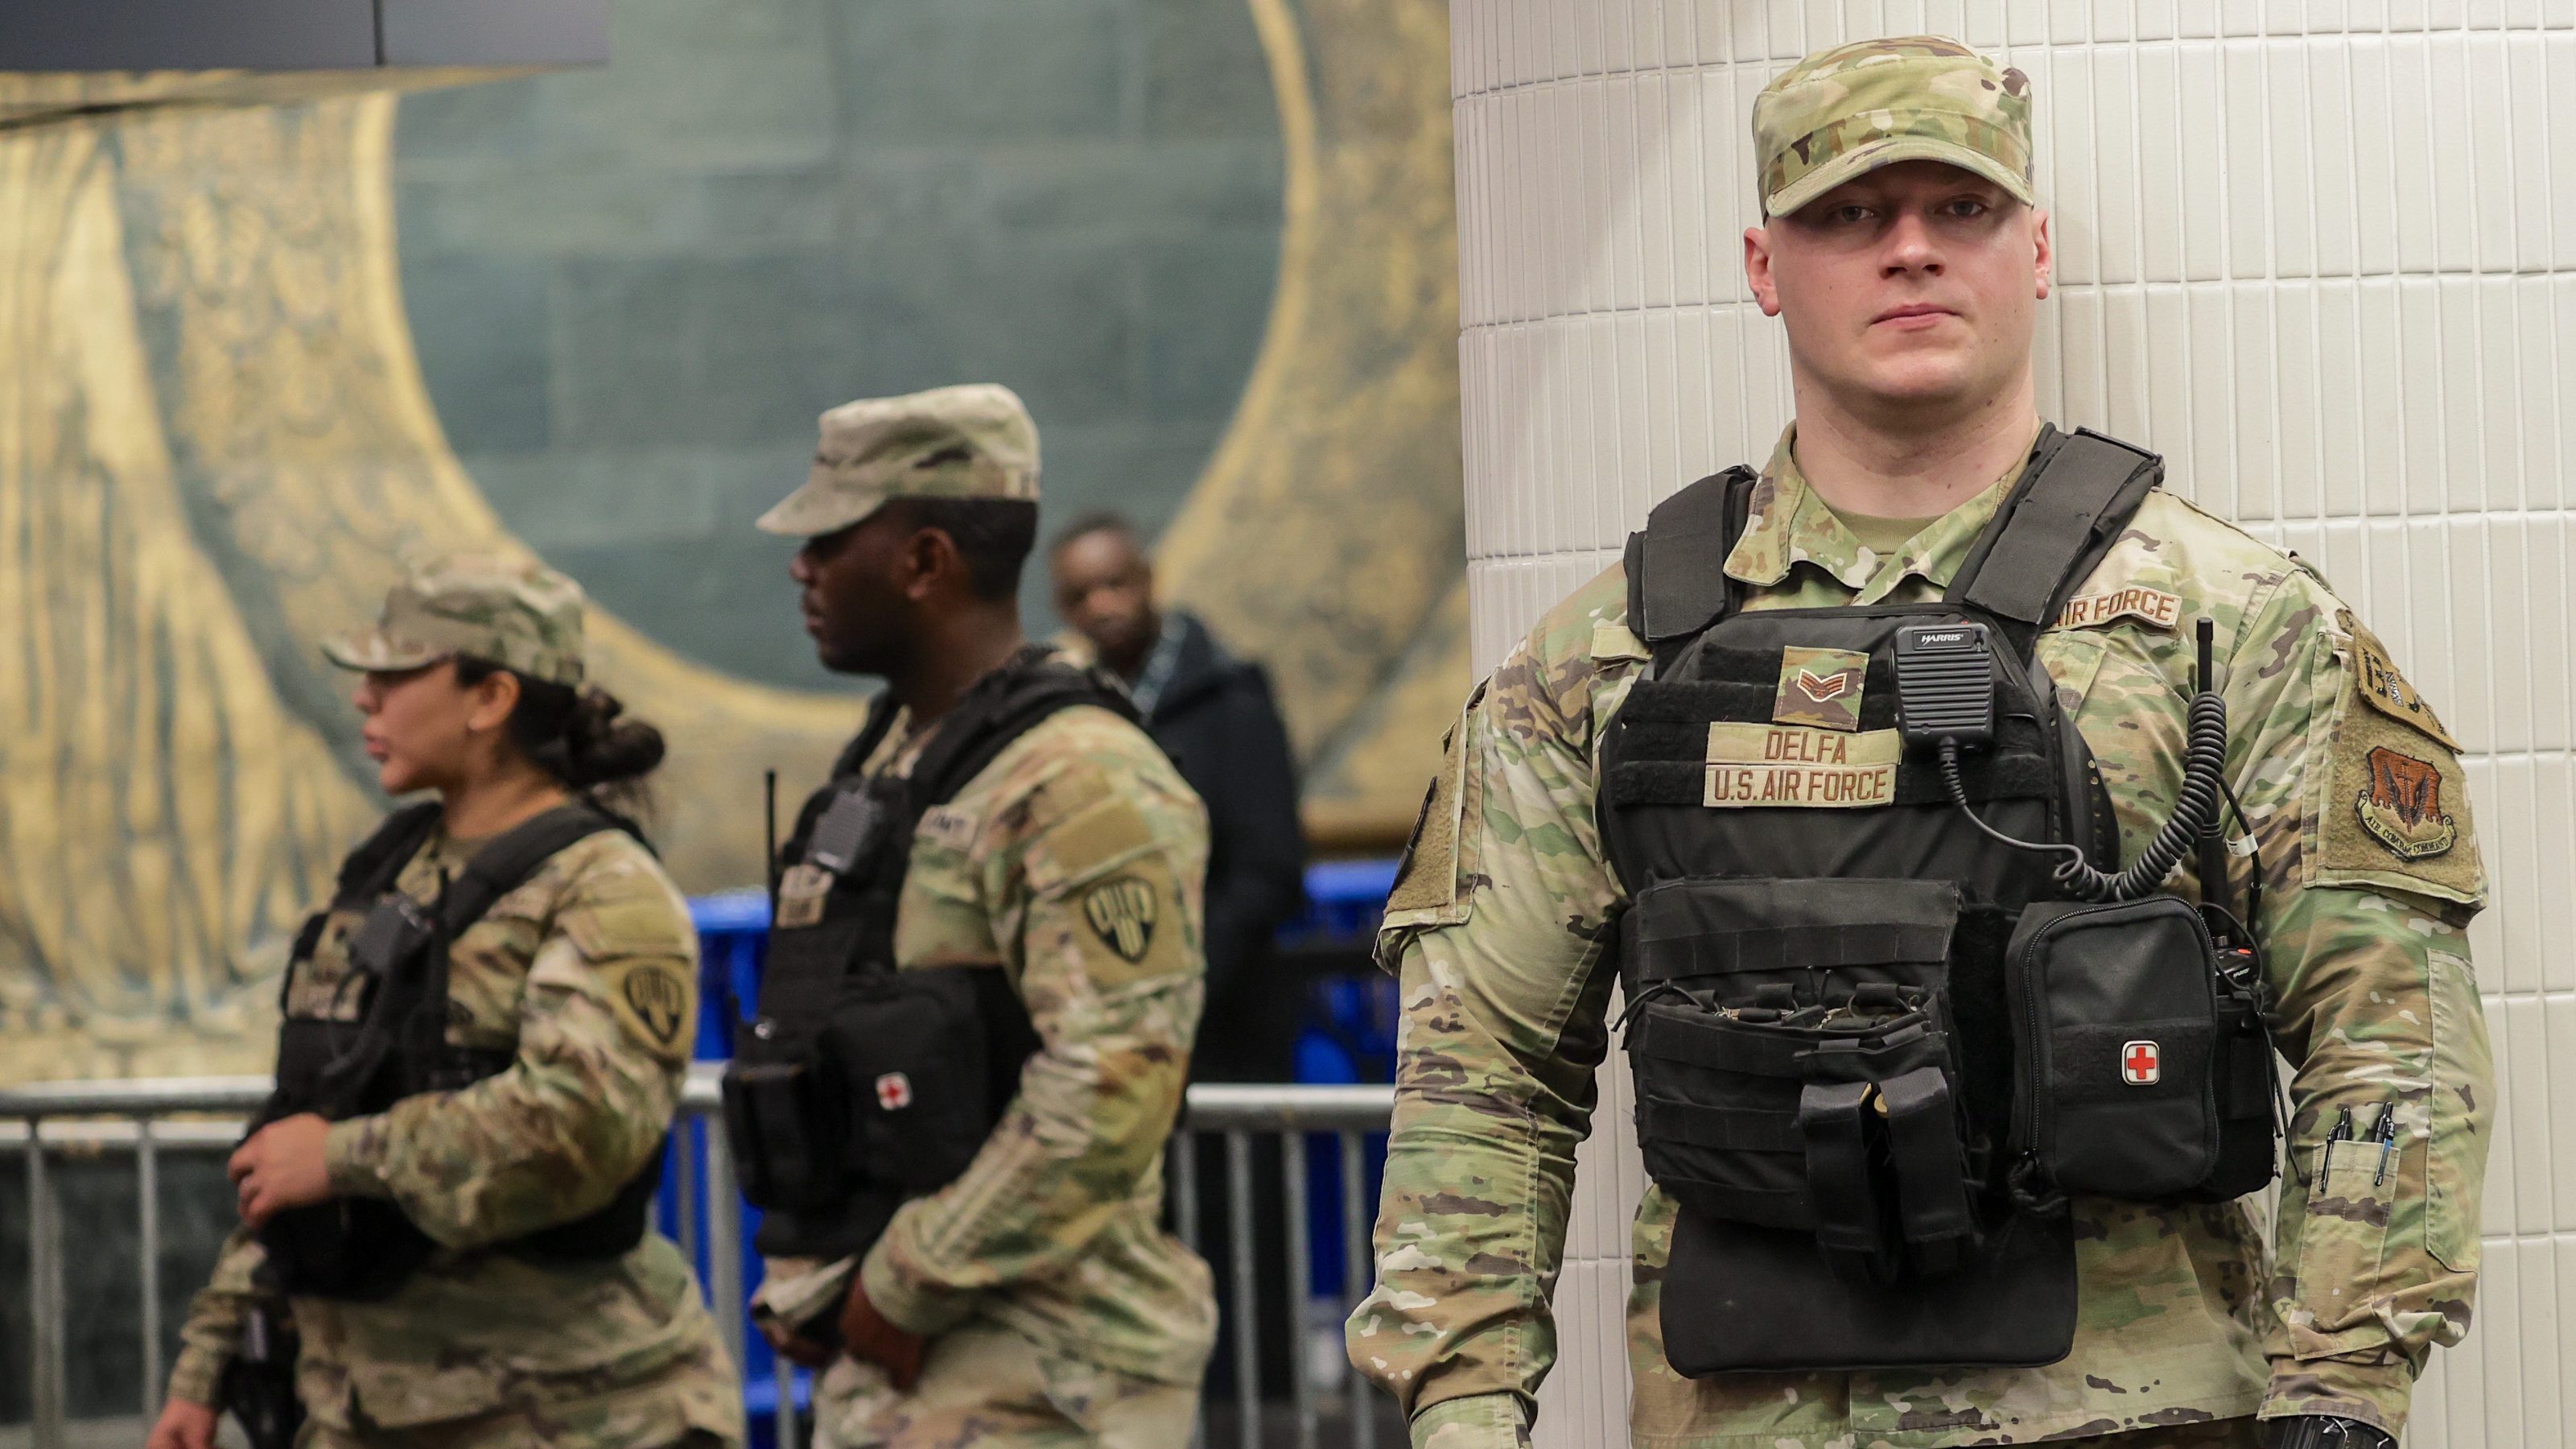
{"x":1847,"y":111}
{"x":520,"y":615}
{"x":970,"y":441}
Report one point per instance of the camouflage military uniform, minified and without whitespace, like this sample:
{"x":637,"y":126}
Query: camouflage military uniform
{"x":1500,"y":929}
{"x":1058,"y":1310}
{"x":587,"y":971}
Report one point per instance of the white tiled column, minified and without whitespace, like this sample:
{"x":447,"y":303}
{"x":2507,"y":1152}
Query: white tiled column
{"x":2322,"y":255}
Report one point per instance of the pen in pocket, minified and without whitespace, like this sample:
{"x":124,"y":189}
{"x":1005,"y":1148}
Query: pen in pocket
{"x":2342,"y":1133}
{"x":2384,"y":1132}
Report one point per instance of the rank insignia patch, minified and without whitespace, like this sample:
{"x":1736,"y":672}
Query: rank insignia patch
{"x":2401,"y":807}
{"x":1820,"y":687}
{"x":1122,"y":913}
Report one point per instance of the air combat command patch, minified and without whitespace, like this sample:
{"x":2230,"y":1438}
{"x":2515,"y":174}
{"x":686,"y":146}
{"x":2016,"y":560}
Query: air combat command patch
{"x":2401,"y":807}
{"x":2396,"y":810}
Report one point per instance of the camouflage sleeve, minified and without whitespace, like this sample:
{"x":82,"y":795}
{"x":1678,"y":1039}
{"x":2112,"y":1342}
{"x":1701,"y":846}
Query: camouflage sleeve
{"x":2370,"y":877}
{"x":214,"y":1327}
{"x":1497,"y":928}
{"x":1091,"y":875}
{"x":604,"y":1030}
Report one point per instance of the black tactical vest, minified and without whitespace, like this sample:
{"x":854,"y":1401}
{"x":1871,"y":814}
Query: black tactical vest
{"x":1814,"y":951}
{"x":365,"y":1248}
{"x":860,"y":1086}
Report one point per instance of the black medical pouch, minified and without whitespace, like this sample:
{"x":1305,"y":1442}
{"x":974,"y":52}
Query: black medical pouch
{"x":905,"y":1079}
{"x":927,"y":1059}
{"x":2142,"y":1071}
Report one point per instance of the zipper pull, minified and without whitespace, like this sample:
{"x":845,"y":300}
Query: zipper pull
{"x":2384,"y":1132}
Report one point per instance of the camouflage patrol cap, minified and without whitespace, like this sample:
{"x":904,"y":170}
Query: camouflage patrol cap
{"x":522,"y":616}
{"x":971,"y":441}
{"x":1843,"y":112}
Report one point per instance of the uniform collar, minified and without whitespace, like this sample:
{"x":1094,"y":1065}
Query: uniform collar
{"x":1788,"y":524}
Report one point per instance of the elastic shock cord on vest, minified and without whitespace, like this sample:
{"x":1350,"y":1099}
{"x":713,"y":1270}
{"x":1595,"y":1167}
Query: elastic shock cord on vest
{"x":2195,"y":810}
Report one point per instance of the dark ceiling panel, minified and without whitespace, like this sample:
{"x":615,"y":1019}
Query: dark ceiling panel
{"x":127,"y":35}
{"x":496,"y":32}
{"x":58,"y":36}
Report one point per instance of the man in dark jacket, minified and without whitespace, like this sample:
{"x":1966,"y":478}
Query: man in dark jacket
{"x":1213,"y":714}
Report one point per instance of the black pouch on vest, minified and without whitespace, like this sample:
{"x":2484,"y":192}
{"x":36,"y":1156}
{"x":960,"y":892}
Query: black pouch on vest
{"x":2117,"y":1023}
{"x":911,"y":1051}
{"x":1755,"y":1303}
{"x":2248,"y":1085}
{"x":358,"y":1248}
{"x":786,"y":1122}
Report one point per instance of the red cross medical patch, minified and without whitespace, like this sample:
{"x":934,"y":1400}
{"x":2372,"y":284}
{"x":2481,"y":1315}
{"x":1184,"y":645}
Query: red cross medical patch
{"x":2142,"y":1063}
{"x":894,"y":1091}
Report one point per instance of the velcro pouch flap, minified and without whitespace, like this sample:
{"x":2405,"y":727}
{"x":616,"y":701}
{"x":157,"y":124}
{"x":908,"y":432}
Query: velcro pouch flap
{"x":1688,"y":929}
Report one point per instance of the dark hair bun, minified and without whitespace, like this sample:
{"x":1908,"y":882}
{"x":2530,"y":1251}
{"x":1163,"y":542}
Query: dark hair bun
{"x":600,"y":748}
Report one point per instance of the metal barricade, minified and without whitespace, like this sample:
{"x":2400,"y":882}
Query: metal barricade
{"x":147,"y":1118}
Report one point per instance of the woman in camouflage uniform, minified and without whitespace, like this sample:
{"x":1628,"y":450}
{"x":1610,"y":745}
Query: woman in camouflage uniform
{"x":578,"y":987}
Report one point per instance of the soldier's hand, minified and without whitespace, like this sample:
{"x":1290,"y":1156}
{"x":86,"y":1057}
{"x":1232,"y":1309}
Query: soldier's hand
{"x":867,"y":1337}
{"x":183,"y":1425}
{"x":792,"y":1346}
{"x":282,"y":1166}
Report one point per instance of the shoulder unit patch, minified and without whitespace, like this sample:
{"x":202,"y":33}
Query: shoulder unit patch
{"x":1122,"y":912}
{"x":2385,"y":690}
{"x":2401,"y":807}
{"x":2395,"y":807}
{"x":655,"y":1002}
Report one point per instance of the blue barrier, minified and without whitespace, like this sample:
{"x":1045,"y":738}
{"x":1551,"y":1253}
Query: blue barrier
{"x":733,"y":940}
{"x":1346,"y":1032}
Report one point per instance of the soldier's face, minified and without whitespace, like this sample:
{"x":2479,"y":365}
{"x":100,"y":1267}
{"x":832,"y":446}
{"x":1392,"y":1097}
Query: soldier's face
{"x":1908,"y":293}
{"x":426,"y":731}
{"x":1105,"y":589}
{"x":856,"y":607}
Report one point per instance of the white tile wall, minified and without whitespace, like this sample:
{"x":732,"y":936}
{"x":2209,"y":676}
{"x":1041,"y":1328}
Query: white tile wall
{"x":2321,"y":253}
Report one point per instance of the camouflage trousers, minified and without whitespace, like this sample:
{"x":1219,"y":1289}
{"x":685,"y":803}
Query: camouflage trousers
{"x":2208,"y":1434}
{"x":985,"y":1385}
{"x":2215,"y":1434}
{"x":695,"y":1403}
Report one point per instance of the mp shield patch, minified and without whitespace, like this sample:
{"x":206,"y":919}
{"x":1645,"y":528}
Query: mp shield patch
{"x":652,"y":999}
{"x":1122,"y":913}
{"x":1820,"y":687}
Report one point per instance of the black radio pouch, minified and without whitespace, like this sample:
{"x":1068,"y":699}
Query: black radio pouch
{"x":2141,"y":1068}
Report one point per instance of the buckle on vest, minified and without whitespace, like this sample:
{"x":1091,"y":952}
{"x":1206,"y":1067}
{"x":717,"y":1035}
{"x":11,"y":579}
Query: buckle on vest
{"x":396,"y":931}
